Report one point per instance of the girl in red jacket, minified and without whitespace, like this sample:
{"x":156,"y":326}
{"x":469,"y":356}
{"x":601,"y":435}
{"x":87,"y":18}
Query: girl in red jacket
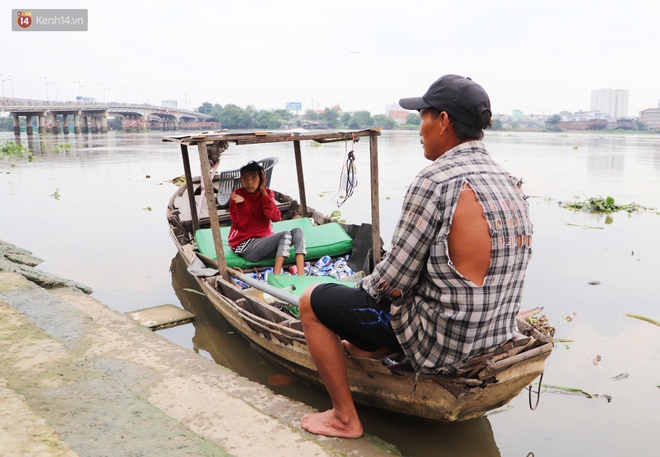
{"x":252,"y":210}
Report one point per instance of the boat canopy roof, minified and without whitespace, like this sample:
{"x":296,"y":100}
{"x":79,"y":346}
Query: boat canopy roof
{"x":273,"y":137}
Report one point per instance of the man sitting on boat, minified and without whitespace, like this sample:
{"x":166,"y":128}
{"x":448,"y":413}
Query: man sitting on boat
{"x":252,"y":210}
{"x":452,"y":284}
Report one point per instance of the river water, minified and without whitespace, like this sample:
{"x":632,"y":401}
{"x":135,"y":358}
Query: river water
{"x":95,"y":212}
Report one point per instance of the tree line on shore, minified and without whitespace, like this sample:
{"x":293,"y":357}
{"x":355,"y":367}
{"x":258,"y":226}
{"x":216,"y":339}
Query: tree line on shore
{"x":234,"y":117}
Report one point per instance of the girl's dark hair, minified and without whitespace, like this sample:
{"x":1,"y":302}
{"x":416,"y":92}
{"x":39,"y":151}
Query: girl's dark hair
{"x":252,"y":166}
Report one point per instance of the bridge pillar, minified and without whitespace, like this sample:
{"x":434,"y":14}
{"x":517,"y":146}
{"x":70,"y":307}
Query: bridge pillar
{"x":55,"y":128}
{"x":84,"y":127}
{"x":28,"y":125}
{"x":95,"y":128}
{"x":104,"y":124}
{"x":76,"y":123}
{"x":65,"y":123}
{"x":42,"y":124}
{"x":17,"y":124}
{"x":32,"y":145}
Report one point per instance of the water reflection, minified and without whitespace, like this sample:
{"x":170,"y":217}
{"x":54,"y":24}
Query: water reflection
{"x":213,"y":336}
{"x":610,"y":166}
{"x":48,"y":142}
{"x":654,"y":160}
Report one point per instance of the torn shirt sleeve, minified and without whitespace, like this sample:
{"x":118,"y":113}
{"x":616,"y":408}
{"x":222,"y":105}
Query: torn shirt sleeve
{"x":414,"y":234}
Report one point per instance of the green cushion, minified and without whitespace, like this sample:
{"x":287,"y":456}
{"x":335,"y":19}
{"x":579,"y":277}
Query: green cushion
{"x":302,"y":282}
{"x":327,"y":239}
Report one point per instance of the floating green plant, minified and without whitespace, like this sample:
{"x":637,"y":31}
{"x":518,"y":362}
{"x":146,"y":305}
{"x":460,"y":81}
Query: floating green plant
{"x":586,"y":226}
{"x":574,"y":390}
{"x":11,"y":149}
{"x":336,"y":216}
{"x":61,"y":147}
{"x":603,"y":205}
{"x":644,"y":318}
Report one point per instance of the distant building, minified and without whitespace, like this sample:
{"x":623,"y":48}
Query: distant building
{"x":294,"y":106}
{"x":566,"y":116}
{"x":85,"y":100}
{"x":517,"y":113}
{"x":650,"y":117}
{"x":589,"y":115}
{"x":611,"y":102}
{"x":396,"y":113}
{"x":169,"y":104}
{"x":594,"y":124}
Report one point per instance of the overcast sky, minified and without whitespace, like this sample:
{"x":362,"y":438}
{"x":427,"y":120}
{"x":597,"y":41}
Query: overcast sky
{"x":536,"y":56}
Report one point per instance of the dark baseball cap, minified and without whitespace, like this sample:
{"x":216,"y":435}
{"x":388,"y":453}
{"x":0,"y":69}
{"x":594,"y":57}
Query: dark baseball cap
{"x":464,"y":100}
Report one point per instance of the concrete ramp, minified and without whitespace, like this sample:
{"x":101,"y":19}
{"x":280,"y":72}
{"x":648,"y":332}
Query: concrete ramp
{"x":77,"y":378}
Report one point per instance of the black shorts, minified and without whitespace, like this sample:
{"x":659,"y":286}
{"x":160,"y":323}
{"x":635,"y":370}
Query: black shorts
{"x":355,"y":316}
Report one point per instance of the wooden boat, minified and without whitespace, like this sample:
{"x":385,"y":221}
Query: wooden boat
{"x":265,"y":312}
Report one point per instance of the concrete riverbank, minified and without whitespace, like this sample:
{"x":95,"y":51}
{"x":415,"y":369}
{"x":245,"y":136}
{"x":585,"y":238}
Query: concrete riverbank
{"x":77,"y":378}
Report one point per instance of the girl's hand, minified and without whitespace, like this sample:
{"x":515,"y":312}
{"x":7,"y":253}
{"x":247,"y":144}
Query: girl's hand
{"x":237,"y":198}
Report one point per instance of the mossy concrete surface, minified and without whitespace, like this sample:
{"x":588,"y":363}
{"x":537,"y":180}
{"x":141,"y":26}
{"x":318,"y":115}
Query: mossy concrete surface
{"x":77,"y":378}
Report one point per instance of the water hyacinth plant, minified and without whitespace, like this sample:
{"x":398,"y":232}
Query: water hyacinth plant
{"x":603,"y":205}
{"x":11,"y":149}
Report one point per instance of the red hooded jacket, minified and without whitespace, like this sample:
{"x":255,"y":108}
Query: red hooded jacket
{"x":253,"y":217}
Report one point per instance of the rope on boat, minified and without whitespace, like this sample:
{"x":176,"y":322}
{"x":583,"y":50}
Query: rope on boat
{"x":348,"y":178}
{"x":538,"y":394}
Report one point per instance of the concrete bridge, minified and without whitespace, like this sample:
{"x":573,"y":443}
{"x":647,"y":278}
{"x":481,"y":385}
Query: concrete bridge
{"x":54,"y":117}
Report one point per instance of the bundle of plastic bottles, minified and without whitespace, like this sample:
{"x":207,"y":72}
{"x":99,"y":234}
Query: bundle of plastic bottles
{"x":325,"y":266}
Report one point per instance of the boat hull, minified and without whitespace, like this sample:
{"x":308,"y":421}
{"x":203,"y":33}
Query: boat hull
{"x":373,"y":384}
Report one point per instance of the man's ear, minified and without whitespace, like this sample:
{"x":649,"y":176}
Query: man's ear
{"x":443,"y":121}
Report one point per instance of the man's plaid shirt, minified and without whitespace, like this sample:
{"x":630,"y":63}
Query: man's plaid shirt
{"x":443,"y":318}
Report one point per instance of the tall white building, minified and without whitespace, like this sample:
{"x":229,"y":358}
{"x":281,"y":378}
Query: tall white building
{"x":613,"y":102}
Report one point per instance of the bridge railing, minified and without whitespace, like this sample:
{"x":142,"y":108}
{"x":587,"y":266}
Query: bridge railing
{"x":6,"y":103}
{"x":11,"y":104}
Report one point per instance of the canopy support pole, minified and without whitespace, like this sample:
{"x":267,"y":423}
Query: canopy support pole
{"x":190,"y":187}
{"x":213,"y":210}
{"x":301,"y":178}
{"x":375,"y":198}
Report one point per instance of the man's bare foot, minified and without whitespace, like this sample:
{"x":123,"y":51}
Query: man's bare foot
{"x":357,"y":352}
{"x":326,"y":423}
